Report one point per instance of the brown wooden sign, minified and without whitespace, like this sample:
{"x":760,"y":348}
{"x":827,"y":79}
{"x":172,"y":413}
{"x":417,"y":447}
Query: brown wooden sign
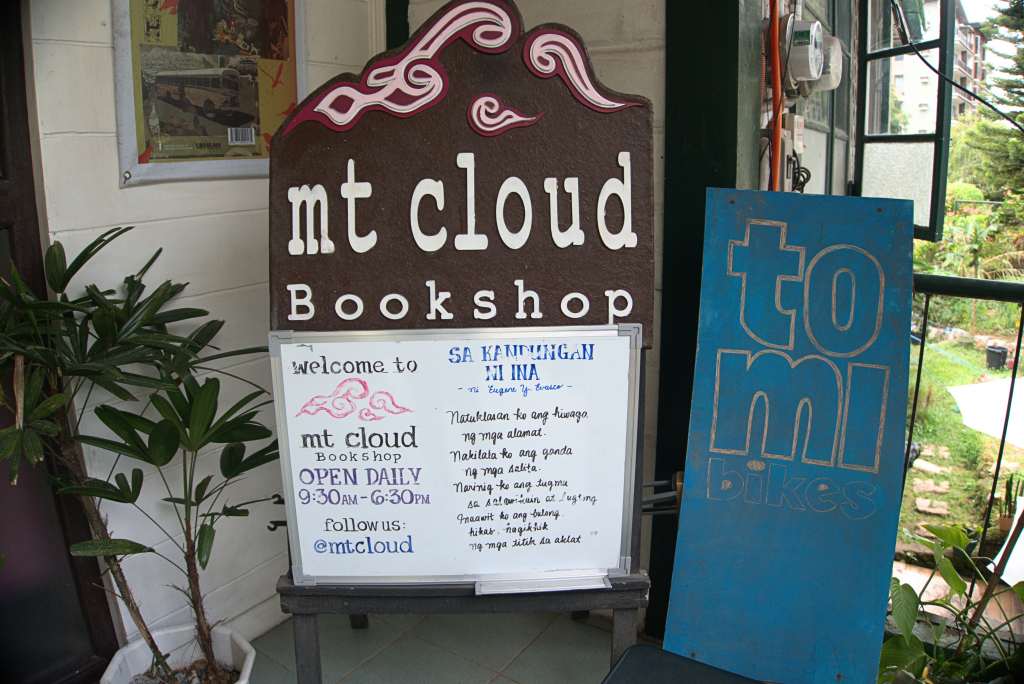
{"x":478,"y":176}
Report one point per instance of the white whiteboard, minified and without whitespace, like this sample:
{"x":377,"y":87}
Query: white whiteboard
{"x":465,"y":455}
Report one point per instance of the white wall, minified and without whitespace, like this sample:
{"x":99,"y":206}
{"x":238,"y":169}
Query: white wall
{"x":626,"y":42}
{"x":214,"y":236}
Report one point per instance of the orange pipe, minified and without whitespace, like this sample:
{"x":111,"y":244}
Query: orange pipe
{"x":776,"y":120}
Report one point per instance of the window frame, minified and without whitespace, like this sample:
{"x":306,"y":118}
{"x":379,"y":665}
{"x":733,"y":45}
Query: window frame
{"x":944,"y":45}
{"x":839,"y":140}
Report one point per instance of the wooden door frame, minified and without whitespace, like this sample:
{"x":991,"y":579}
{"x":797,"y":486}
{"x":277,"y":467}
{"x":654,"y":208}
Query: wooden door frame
{"x":19,"y":219}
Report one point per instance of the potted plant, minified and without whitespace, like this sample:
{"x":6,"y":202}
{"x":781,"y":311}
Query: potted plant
{"x":950,"y":640}
{"x":1013,"y":489}
{"x":129,"y":344}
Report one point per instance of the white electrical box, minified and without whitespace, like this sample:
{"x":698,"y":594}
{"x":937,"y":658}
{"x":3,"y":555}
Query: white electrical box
{"x":794,"y":125}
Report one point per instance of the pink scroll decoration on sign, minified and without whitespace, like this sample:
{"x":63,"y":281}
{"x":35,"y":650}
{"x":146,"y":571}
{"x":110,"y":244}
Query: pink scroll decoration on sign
{"x":550,"y":53}
{"x":489,"y":116}
{"x":414,"y":79}
{"x":345,"y":400}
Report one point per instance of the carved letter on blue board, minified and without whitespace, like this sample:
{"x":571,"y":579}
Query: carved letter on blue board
{"x":794,"y":462}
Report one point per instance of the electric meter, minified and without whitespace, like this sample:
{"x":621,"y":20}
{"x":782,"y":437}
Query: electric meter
{"x":804,"y":40}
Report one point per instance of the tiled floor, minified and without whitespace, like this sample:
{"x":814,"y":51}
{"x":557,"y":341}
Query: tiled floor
{"x":523,"y":648}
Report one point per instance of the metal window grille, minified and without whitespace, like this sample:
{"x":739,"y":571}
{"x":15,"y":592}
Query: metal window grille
{"x":968,"y":288}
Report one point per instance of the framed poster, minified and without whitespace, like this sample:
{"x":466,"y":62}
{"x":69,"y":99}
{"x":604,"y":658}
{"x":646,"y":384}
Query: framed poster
{"x":202,"y":85}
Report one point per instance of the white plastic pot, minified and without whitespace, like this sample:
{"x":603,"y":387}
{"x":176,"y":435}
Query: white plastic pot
{"x":180,"y":645}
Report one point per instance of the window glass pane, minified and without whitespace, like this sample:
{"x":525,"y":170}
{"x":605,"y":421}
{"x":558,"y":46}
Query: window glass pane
{"x":842,"y":22}
{"x":839,"y":167}
{"x":931,"y":23}
{"x":902,"y":95}
{"x":819,"y":8}
{"x":842,"y":101}
{"x":922,"y":22}
{"x":901,"y":170}
{"x":880,"y":30}
{"x":815,"y":109}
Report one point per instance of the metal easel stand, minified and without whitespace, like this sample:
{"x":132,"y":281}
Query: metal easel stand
{"x":626,"y":596}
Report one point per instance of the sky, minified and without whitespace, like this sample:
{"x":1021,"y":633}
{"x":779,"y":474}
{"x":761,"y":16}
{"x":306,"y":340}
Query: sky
{"x":978,"y":10}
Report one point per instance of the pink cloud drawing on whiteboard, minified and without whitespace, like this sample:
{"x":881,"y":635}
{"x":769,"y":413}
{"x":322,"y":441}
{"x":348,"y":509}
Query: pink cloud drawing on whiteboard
{"x":352,"y":395}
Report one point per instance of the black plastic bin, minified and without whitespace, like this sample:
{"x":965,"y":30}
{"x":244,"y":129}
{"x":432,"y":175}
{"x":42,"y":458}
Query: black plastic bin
{"x":995,"y":356}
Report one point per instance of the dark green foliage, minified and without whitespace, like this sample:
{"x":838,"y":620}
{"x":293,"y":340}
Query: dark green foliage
{"x":108,"y":547}
{"x":133,"y":344}
{"x":1000,"y":147}
{"x":962,"y":647}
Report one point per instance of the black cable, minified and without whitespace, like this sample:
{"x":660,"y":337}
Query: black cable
{"x":905,"y":36}
{"x":801,"y":174}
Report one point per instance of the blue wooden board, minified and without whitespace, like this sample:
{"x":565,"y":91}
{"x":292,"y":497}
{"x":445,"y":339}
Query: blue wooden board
{"x":786,"y":532}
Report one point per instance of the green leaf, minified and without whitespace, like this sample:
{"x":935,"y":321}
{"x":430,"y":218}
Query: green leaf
{"x":34,"y":387}
{"x":163,"y":341}
{"x":152,"y":260}
{"x":115,"y":389}
{"x":204,"y":334}
{"x":244,"y":432}
{"x":179,"y":401}
{"x":169,"y":413}
{"x":950,"y":535}
{"x":32,"y":445}
{"x":902,"y":654}
{"x":235,"y":408}
{"x":1018,"y":589}
{"x":204,"y":406}
{"x":231,"y":460}
{"x":10,"y":442}
{"x":47,"y":406}
{"x":234,"y":352}
{"x":139,"y":423}
{"x":114,"y":419}
{"x":100,"y":298}
{"x":130,"y":491}
{"x":265,"y":455}
{"x":163,"y":443}
{"x":175,"y":315}
{"x":949,"y":573}
{"x":105,"y":325}
{"x":204,"y":544}
{"x":45,"y":427}
{"x":83,"y":336}
{"x":101,"y":489}
{"x":136,"y":482}
{"x":108,"y":547}
{"x":190,"y":386}
{"x":137,"y":380}
{"x":13,"y":466}
{"x":200,"y":493}
{"x":143,"y":315}
{"x":91,"y":249}
{"x":904,"y":609}
{"x":55,"y":264}
{"x":111,"y":445}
